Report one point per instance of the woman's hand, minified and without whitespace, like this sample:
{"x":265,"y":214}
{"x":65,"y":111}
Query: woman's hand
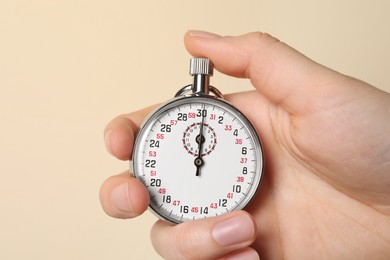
{"x":326,"y":187}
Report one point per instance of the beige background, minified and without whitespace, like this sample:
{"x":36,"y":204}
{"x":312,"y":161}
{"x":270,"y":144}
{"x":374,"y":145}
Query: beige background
{"x":68,"y":66}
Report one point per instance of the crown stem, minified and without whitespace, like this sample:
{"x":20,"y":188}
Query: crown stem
{"x":201,"y":69}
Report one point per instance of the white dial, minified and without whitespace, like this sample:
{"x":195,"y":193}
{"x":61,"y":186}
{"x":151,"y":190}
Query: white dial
{"x":198,"y":157}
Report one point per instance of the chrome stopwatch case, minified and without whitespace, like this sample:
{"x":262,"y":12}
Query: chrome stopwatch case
{"x":197,"y":155}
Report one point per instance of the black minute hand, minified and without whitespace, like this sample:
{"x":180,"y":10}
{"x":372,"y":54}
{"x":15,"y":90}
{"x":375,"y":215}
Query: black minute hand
{"x":199,"y":139}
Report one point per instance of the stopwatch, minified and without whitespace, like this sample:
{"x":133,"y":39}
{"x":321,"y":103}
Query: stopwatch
{"x":197,"y":155}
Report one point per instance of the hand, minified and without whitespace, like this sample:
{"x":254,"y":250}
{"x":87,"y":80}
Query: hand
{"x":326,"y":136}
{"x":199,"y":139}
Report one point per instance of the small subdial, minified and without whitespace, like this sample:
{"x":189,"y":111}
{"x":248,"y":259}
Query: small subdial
{"x":191,"y":139}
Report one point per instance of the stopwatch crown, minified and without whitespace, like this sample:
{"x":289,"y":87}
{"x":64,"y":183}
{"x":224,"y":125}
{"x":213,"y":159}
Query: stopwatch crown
{"x":201,"y":66}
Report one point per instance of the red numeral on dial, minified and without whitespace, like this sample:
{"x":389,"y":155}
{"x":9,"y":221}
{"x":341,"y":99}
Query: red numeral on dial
{"x":228,"y":128}
{"x":243,"y":160}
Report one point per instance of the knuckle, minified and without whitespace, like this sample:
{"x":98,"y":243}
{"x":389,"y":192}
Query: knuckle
{"x":261,"y":38}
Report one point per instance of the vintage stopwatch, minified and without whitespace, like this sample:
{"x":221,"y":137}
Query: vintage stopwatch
{"x":197,"y":155}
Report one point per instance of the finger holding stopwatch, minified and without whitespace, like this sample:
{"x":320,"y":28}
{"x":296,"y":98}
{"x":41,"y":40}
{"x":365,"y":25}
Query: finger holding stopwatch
{"x":119,"y":134}
{"x":123,"y":196}
{"x":211,"y":238}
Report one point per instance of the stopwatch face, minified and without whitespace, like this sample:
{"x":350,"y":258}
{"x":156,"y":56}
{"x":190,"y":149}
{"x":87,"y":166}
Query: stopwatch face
{"x":198,"y":157}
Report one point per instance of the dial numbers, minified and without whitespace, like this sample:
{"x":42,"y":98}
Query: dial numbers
{"x":168,"y":144}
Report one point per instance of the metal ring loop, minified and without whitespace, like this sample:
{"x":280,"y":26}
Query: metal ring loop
{"x":188,"y":88}
{"x":216,"y":92}
{"x":183,"y":90}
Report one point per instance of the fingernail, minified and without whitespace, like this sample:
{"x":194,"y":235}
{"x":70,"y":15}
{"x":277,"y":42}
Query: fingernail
{"x":203,"y":34}
{"x":107,"y":136}
{"x":120,"y":198}
{"x":234,"y":231}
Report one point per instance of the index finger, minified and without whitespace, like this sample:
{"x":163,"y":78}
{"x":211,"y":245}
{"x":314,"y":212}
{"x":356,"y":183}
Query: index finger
{"x":119,"y":134}
{"x":282,"y":74}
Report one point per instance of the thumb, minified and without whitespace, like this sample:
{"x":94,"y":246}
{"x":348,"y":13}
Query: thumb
{"x":282,"y":74}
